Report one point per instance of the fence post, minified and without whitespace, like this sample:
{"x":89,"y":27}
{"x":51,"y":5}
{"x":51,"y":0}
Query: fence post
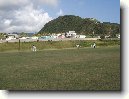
{"x":19,"y":45}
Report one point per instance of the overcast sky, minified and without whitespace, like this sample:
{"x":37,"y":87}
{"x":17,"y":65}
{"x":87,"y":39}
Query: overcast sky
{"x":32,"y":15}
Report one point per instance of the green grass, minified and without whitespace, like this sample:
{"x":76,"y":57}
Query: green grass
{"x":66,"y":69}
{"x":24,"y":46}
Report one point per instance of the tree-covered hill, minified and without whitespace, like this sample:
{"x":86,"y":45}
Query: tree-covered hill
{"x":86,"y":26}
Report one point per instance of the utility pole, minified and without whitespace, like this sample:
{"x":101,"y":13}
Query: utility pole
{"x":19,"y":45}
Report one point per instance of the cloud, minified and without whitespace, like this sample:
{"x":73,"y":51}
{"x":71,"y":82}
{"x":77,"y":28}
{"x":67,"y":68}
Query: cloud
{"x":29,"y":19}
{"x":24,"y":15}
{"x":60,"y":13}
{"x":5,"y":3}
{"x":12,"y":4}
{"x":48,"y":2}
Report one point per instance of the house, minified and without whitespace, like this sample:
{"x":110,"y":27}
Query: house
{"x":61,"y":36}
{"x":82,"y":36}
{"x":70,"y":34}
{"x":12,"y":36}
{"x":24,"y":38}
{"x":46,"y":37}
{"x":34,"y":37}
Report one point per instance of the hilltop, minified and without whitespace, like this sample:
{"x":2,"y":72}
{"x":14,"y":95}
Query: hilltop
{"x":86,"y":26}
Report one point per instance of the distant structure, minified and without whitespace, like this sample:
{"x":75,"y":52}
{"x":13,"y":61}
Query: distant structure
{"x":73,"y":34}
{"x":12,"y":36}
{"x":70,"y":34}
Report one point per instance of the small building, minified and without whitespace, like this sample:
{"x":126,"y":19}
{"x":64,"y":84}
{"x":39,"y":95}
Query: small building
{"x":61,"y":36}
{"x":46,"y":37}
{"x":70,"y":34}
{"x":12,"y":36}
{"x":80,"y":36}
{"x":34,"y":37}
{"x":24,"y":38}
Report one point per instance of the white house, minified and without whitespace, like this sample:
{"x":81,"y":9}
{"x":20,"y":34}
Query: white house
{"x":12,"y":36}
{"x":82,"y":36}
{"x":34,"y":37}
{"x":71,"y":34}
{"x":22,"y":38}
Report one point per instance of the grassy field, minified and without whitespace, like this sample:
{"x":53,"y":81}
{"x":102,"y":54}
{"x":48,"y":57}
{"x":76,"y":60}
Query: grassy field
{"x":55,"y":45}
{"x":64,"y":69}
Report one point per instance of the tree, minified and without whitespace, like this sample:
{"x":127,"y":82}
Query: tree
{"x":2,"y":35}
{"x":23,"y":34}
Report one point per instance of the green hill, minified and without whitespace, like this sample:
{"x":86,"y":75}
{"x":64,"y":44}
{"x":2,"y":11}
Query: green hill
{"x":84,"y":26}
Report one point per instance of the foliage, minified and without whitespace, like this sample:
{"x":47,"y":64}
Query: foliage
{"x":2,"y":35}
{"x":102,"y":36}
{"x":86,"y":26}
{"x":23,"y":34}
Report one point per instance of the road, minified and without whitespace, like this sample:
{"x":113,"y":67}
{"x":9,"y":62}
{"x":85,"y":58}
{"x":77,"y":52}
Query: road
{"x":56,"y":39}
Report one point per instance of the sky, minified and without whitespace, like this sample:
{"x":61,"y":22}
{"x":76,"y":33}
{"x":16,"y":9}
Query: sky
{"x":32,"y":15}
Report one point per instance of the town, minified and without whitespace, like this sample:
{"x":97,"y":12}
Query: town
{"x":31,"y":37}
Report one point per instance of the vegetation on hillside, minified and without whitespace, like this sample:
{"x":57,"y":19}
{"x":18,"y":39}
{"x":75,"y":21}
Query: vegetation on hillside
{"x":2,"y":35}
{"x":86,"y":26}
